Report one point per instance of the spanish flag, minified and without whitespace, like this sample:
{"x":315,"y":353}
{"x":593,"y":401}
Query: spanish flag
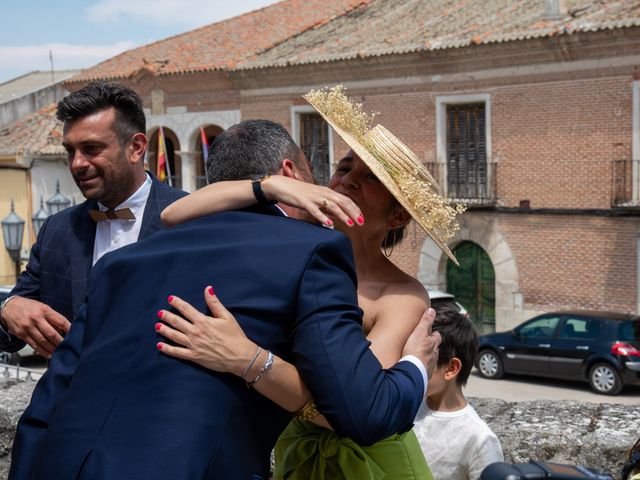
{"x":163,"y":166}
{"x":205,"y":147}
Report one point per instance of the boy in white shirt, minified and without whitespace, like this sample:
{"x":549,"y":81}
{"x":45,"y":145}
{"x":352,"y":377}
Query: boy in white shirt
{"x":456,"y":442}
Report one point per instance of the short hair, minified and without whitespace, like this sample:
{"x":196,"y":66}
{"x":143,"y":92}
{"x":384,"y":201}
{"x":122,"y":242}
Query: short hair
{"x":97,"y":96}
{"x":251,"y":149}
{"x":459,"y":339}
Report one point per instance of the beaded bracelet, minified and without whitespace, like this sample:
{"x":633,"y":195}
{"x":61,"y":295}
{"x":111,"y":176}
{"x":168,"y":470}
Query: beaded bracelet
{"x":265,"y":368}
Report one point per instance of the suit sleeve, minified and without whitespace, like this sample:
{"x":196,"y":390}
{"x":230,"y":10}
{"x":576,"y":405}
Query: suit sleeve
{"x":28,"y":286}
{"x":34,"y":422}
{"x":360,"y":399}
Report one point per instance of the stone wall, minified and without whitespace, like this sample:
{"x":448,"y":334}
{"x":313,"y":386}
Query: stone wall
{"x":595,"y":435}
{"x":14,"y":397}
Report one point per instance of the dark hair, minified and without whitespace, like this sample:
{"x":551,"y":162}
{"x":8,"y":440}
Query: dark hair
{"x":395,"y":236}
{"x":459,"y":339}
{"x":250,"y":149}
{"x":98,"y":96}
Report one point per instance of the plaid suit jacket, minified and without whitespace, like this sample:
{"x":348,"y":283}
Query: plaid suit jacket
{"x":60,"y":262}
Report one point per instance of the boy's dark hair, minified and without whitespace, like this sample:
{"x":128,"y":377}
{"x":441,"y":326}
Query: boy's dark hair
{"x":459,"y":339}
{"x":98,"y":96}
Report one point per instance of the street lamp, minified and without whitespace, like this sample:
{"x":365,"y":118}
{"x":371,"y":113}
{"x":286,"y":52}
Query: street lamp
{"x":39,"y":217}
{"x":58,"y":202}
{"x":12,"y":230}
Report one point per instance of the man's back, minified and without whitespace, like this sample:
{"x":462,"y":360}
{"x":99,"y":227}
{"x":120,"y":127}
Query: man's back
{"x":127,"y":401}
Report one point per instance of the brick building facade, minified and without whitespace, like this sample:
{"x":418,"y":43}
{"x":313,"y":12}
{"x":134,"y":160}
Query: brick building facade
{"x":532,"y":118}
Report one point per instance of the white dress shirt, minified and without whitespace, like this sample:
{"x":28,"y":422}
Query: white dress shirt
{"x":113,"y":234}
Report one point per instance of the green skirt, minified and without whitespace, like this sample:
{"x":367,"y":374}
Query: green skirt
{"x":305,"y":451}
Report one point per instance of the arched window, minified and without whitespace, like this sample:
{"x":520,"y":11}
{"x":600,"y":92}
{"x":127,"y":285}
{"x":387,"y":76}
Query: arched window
{"x":175,"y":163}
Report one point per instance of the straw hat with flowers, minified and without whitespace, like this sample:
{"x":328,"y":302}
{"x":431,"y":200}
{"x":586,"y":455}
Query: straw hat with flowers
{"x":397,"y":167}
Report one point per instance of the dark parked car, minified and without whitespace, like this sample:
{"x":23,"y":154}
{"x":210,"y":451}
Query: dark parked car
{"x":602,"y":348}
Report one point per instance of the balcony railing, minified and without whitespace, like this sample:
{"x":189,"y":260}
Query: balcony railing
{"x":624,"y":175}
{"x":475,"y":187}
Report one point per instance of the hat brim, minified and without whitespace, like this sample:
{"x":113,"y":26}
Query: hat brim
{"x":387,"y":180}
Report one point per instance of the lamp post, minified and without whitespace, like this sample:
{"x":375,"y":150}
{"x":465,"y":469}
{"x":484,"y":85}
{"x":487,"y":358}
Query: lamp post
{"x":12,"y":230}
{"x":58,"y":201}
{"x":39,"y":217}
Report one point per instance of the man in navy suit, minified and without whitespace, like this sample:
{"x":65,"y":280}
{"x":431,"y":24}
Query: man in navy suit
{"x":112,"y":406}
{"x":104,"y":135}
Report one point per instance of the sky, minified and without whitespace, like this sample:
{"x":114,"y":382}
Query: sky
{"x":81,"y":33}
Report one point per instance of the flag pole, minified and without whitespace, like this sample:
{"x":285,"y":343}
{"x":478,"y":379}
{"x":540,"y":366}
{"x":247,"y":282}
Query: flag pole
{"x":205,"y":153}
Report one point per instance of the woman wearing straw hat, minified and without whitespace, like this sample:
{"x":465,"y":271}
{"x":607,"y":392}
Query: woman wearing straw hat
{"x":389,"y":186}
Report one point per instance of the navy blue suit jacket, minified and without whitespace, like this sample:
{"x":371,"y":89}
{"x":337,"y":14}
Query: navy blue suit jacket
{"x":58,"y":270}
{"x":112,"y":406}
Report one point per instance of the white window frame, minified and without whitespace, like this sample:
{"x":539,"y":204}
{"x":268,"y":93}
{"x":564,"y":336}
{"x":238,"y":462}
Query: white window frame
{"x":635,"y":148}
{"x":441,"y":127}
{"x":295,"y":130}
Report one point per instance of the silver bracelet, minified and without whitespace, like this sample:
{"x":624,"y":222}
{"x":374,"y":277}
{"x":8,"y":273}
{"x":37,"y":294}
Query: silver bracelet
{"x":265,"y":368}
{"x":2,"y":305}
{"x":253,"y":360}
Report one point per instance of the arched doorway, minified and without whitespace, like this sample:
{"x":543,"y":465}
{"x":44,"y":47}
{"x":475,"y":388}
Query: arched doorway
{"x":210,"y":132}
{"x":173,"y":144}
{"x":473,"y":284}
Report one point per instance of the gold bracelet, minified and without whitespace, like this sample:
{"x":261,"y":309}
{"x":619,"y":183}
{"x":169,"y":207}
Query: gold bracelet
{"x":308,"y":412}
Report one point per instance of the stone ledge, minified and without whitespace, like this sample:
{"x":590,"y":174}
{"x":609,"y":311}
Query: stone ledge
{"x":595,"y":435}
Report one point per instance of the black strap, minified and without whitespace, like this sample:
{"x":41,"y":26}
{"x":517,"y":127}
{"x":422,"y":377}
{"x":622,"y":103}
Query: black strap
{"x":261,"y":198}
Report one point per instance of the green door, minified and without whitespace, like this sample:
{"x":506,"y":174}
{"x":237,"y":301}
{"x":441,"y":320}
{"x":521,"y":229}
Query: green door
{"x":474,"y":285}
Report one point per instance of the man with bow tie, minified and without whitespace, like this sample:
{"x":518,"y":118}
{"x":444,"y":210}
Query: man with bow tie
{"x":104,"y":136}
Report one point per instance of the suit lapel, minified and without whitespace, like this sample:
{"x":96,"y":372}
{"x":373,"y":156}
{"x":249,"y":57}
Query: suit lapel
{"x":82,"y":243}
{"x":151,"y":222}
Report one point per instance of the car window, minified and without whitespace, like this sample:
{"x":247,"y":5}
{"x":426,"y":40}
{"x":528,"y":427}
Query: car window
{"x":540,"y":327}
{"x":581,"y":328}
{"x":574,"y":328}
{"x":629,"y":331}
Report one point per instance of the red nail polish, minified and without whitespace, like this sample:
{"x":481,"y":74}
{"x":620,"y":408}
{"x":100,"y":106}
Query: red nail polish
{"x":158,"y":326}
{"x":329,"y":222}
{"x":349,"y":222}
{"x":159,"y":346}
{"x":160,"y":312}
{"x":170,"y":298}
{"x":210,"y":291}
{"x":360,"y":219}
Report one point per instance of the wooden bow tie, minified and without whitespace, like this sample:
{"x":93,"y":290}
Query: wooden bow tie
{"x":122,"y":214}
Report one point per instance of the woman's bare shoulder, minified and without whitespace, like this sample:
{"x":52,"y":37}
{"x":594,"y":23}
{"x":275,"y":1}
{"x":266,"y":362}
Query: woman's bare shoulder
{"x":405,"y":290}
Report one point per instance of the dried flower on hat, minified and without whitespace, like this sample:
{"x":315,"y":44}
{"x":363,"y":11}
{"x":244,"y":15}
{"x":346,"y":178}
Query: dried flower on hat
{"x":397,"y":167}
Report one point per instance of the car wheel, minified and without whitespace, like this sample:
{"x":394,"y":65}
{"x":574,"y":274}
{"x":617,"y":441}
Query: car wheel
{"x":490,"y":365}
{"x":604,"y":379}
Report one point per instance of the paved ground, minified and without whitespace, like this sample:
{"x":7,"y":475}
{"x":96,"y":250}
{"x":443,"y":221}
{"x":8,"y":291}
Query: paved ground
{"x":515,"y":388}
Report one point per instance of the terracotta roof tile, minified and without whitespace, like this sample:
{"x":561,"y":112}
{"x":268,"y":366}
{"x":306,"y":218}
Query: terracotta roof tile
{"x":386,"y":27}
{"x":224,"y":44}
{"x":312,"y":31}
{"x":38,"y":134}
